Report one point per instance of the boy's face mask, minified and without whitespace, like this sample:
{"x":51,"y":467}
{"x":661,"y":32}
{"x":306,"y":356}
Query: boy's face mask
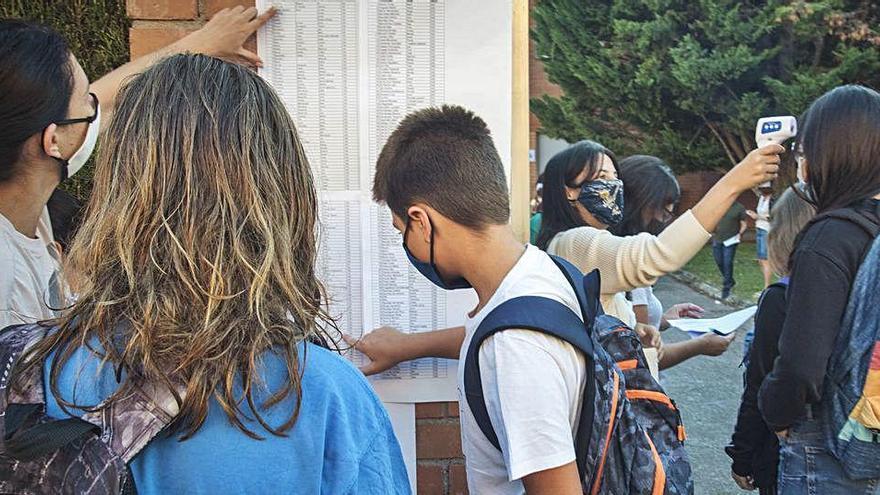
{"x":429,"y":269}
{"x":604,"y":200}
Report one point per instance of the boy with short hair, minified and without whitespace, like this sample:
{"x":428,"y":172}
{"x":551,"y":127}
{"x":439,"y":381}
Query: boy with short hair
{"x":443,"y":180}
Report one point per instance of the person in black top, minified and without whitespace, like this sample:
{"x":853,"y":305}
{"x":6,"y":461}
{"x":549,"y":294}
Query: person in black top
{"x":754,"y":448}
{"x":837,"y":157}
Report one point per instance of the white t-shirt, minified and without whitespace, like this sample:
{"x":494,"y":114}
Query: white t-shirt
{"x":763,"y":213}
{"x":31,"y":288}
{"x":532,"y":383}
{"x":644,"y":296}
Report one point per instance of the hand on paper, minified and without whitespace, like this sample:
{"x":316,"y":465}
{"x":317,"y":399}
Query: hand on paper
{"x":384,"y":346}
{"x":744,"y":482}
{"x":683,"y":310}
{"x":712,"y":344}
{"x":225,"y":34}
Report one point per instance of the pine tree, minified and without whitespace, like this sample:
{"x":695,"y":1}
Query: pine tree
{"x":687,"y":80}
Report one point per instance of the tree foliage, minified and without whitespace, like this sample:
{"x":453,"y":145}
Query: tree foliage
{"x":686,"y":80}
{"x":97,"y":32}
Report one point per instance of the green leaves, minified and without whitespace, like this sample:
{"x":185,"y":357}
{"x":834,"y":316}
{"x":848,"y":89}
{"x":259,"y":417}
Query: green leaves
{"x":687,"y":80}
{"x":97,"y":33}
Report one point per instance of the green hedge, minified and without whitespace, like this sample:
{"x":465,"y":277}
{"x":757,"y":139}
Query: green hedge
{"x":97,"y":31}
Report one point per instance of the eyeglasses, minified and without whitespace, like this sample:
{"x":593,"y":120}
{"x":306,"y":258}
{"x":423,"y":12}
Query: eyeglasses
{"x":82,"y":119}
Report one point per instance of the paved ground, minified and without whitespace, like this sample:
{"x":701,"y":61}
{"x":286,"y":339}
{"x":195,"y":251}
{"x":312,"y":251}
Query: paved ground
{"x":707,"y":389}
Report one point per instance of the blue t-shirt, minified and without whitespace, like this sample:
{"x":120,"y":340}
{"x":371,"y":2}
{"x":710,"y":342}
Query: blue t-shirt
{"x":342,"y":441}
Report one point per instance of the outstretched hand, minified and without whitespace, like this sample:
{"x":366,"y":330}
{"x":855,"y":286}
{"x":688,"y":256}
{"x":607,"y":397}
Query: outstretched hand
{"x":759,"y":166}
{"x":713,"y":344}
{"x":225,"y":34}
{"x":383,"y":346}
{"x":684,"y":310}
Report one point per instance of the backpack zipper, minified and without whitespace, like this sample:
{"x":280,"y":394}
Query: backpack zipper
{"x":663,"y":399}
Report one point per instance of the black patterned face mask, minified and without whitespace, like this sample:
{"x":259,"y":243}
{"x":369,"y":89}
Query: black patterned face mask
{"x":604,"y":200}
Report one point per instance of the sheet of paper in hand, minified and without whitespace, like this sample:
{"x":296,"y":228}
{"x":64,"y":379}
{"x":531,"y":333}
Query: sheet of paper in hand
{"x":724,"y":325}
{"x":733,"y":241}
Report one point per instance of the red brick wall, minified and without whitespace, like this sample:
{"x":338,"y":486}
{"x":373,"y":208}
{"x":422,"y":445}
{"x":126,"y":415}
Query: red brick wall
{"x":438,"y":449}
{"x":157,"y":23}
{"x":695,"y":185}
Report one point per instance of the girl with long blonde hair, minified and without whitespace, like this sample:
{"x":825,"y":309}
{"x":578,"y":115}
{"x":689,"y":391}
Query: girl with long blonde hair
{"x":195,"y":274}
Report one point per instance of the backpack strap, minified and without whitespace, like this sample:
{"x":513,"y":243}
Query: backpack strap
{"x":126,"y":426}
{"x":526,"y":313}
{"x":868,"y":225}
{"x":550,"y":317}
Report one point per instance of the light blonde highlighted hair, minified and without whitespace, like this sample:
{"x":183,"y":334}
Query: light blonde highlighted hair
{"x":198,"y":249}
{"x":789,"y":216}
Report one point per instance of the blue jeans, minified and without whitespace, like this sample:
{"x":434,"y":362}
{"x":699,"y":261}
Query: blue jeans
{"x":761,"y":243}
{"x":806,"y":466}
{"x":724,"y":260}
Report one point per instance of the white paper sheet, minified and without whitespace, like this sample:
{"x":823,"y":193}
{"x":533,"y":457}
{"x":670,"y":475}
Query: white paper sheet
{"x":348,"y":72}
{"x":732,"y":241}
{"x":724,"y":325}
{"x":403,"y":420}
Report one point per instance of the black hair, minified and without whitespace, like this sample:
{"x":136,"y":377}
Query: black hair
{"x":562,"y":170}
{"x":65,"y":212}
{"x":36,"y":83}
{"x":840,"y":138}
{"x":446,"y":158}
{"x":648,"y":186}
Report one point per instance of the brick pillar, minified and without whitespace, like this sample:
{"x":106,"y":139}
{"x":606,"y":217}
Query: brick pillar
{"x":438,"y":448}
{"x":157,"y":23}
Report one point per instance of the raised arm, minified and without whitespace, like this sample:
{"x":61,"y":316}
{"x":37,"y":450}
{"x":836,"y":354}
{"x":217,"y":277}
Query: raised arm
{"x":626,"y":263}
{"x":223,"y":36}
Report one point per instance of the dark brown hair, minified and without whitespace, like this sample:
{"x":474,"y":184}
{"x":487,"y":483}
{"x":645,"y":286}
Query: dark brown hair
{"x":562,"y":170}
{"x":197,"y":255}
{"x":444,"y":157}
{"x":840,"y":137}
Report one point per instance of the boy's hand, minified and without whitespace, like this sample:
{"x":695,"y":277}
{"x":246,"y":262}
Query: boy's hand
{"x":386,"y":347}
{"x":225,"y":34}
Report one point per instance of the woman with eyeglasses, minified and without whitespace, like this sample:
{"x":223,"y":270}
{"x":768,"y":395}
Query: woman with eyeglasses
{"x":50,"y":121}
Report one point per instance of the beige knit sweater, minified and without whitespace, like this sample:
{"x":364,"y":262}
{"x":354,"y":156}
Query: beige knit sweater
{"x":626,"y":263}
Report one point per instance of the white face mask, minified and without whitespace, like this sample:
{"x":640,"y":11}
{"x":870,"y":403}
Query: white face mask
{"x":73,"y":164}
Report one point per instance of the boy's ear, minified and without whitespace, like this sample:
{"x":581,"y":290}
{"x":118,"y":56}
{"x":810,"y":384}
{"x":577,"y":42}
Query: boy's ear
{"x":420,"y":222}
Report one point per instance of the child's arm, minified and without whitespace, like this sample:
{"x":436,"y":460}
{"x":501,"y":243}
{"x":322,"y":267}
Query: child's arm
{"x":709,"y":344}
{"x":563,"y":480}
{"x":223,"y":36}
{"x":387,"y":347}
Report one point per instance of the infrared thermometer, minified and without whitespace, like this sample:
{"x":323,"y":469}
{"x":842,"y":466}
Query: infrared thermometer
{"x":775,"y":130}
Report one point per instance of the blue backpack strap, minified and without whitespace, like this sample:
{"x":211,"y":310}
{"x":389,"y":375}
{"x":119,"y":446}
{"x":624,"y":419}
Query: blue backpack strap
{"x":586,"y":288}
{"x":523,"y":313}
